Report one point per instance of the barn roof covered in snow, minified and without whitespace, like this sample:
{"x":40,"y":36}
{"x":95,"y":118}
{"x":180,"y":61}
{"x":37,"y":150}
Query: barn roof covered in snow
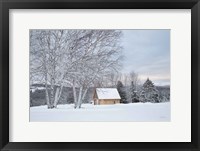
{"x":107,"y":93}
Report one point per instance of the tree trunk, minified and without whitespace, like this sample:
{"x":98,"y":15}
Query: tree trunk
{"x":56,"y":97}
{"x":52,"y":93}
{"x":46,"y":92}
{"x":80,"y":103}
{"x":79,"y":97}
{"x":75,"y":97}
{"x":60,"y":92}
{"x":47,"y":97}
{"x":46,"y":84}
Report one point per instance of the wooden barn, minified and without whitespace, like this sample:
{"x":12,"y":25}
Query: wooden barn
{"x":106,"y":96}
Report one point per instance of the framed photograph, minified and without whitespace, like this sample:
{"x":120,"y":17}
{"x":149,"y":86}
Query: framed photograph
{"x":96,"y":75}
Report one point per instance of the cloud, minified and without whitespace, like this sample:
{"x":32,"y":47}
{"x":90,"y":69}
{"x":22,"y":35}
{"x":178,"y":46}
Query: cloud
{"x":148,"y":53}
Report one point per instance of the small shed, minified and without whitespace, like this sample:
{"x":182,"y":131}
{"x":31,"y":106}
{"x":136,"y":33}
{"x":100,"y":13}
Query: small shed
{"x":106,"y":96}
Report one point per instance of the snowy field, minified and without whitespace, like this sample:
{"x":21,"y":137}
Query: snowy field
{"x":138,"y":112}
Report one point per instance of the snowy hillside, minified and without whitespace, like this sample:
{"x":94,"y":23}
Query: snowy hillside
{"x":133,"y":112}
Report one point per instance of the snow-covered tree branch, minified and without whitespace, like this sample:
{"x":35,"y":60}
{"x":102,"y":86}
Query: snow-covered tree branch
{"x":76,"y":57}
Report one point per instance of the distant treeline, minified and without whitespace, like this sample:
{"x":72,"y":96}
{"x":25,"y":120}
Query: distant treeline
{"x":37,"y":95}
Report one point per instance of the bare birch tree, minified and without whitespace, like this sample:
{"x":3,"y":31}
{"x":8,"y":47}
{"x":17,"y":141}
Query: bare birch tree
{"x":79,"y":58}
{"x":47,"y":48}
{"x":95,"y":53}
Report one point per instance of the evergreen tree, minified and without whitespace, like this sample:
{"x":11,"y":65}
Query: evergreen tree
{"x":122,"y":92}
{"x":149,"y":92}
{"x":133,"y":93}
{"x":142,"y":96}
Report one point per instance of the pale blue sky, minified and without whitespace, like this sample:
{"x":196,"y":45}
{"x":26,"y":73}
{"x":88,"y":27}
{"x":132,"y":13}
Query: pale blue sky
{"x":147,"y":52}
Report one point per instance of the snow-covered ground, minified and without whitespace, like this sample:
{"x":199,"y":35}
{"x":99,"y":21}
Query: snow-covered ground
{"x":143,"y":112}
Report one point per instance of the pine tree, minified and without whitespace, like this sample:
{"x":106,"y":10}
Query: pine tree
{"x":149,"y":92}
{"x":122,"y":92}
{"x":133,"y":93}
{"x":142,"y":96}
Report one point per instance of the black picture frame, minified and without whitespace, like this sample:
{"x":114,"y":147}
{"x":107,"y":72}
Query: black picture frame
{"x":5,"y":5}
